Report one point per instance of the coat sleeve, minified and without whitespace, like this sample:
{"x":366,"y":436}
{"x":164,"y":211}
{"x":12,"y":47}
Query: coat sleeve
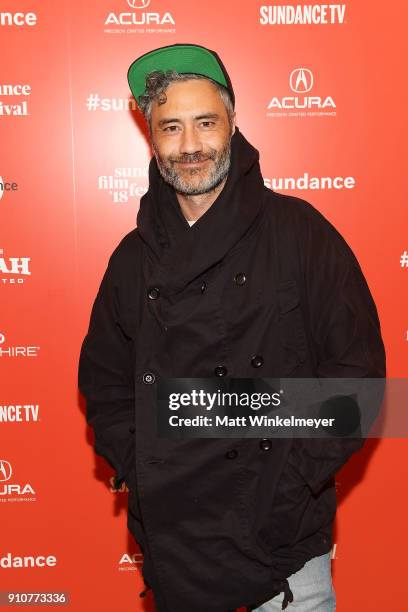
{"x":106,"y":380}
{"x":346,"y":336}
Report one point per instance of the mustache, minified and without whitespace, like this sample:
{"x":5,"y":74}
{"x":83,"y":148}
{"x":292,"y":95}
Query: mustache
{"x":193,"y":157}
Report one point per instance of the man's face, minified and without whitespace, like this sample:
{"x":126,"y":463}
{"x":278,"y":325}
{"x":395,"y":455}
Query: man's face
{"x":191,"y":136}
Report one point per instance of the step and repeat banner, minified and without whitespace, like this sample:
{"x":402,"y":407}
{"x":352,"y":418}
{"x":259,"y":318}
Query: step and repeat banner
{"x":320,"y":92}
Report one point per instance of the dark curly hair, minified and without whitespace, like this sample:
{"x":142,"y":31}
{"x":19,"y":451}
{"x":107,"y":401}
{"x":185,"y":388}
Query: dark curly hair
{"x":157,"y":83}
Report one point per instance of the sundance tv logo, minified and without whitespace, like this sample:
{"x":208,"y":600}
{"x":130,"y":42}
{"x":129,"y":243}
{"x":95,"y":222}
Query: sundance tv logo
{"x":302,"y":14}
{"x":147,"y":21}
{"x":13,"y":492}
{"x":17,"y":413}
{"x":301,"y":103}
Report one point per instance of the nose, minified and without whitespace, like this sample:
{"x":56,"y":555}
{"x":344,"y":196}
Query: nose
{"x":190,"y":140}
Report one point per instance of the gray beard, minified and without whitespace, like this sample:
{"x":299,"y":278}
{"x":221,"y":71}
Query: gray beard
{"x":208,"y":183}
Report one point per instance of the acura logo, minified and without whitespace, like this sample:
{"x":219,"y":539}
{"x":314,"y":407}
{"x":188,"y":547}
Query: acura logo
{"x":5,"y":470}
{"x":138,"y":4}
{"x":301,"y":80}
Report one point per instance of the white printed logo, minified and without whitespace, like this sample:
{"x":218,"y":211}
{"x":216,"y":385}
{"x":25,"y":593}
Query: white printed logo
{"x":17,"y":106}
{"x":139,"y":22}
{"x":18,"y":19}
{"x":130,"y":562}
{"x":125,"y":184}
{"x":138,"y":4}
{"x":307,"y":181}
{"x":17,"y":351}
{"x":8,"y":561}
{"x":301,"y":80}
{"x":300,"y":104}
{"x":302,"y":14}
{"x":8,"y":490}
{"x":5,"y":470}
{"x":14,"y":413}
{"x":14,"y":269}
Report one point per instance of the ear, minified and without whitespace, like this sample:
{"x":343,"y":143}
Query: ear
{"x":233,"y":122}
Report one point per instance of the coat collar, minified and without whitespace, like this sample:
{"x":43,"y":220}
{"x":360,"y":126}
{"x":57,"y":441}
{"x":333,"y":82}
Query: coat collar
{"x":179,"y":253}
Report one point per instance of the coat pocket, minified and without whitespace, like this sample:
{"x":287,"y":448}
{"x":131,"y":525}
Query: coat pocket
{"x":292,"y":335}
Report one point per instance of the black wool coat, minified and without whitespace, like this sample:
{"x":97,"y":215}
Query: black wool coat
{"x":262,"y":285}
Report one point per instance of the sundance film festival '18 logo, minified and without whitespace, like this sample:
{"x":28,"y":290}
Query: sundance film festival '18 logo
{"x":301,"y":102}
{"x":124,"y":184}
{"x":14,"y":270}
{"x":146,"y":21}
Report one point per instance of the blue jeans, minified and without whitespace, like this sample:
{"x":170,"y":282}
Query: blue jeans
{"x":311,"y":586}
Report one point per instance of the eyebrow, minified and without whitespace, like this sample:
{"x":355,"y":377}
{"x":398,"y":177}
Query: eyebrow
{"x":196,"y":118}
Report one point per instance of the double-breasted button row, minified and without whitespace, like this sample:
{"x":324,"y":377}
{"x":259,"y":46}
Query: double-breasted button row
{"x":265,"y":444}
{"x":239,"y":279}
{"x":256,"y":362}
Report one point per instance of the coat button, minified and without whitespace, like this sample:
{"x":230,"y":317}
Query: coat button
{"x":153,"y":293}
{"x":231,"y":454}
{"x":132,"y":429}
{"x":265,"y":444}
{"x":203,"y":286}
{"x":240,"y":278}
{"x":148,"y":378}
{"x":220,"y":370}
{"x":257,"y":361}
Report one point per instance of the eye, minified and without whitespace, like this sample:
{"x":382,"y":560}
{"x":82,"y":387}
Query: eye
{"x":170,"y":128}
{"x":208,"y":123}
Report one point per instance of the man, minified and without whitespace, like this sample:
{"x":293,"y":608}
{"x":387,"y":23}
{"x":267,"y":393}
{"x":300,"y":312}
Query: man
{"x":222,"y":278}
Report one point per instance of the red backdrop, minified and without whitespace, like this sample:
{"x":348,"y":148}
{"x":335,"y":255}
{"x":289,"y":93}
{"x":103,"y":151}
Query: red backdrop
{"x":320,"y":92}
